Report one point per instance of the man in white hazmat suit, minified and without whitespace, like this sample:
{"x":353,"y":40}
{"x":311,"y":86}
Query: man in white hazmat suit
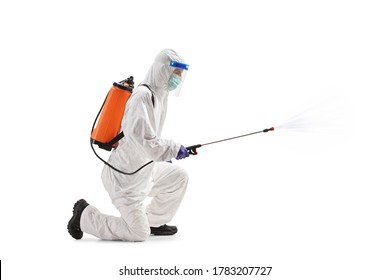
{"x":142,"y":125}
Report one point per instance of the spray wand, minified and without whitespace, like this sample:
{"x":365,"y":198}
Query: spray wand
{"x":192,"y":149}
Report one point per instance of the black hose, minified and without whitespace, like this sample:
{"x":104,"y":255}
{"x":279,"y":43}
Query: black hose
{"x":116,"y":169}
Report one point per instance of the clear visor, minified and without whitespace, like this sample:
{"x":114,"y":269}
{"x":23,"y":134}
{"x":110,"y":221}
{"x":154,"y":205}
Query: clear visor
{"x":176,"y":80}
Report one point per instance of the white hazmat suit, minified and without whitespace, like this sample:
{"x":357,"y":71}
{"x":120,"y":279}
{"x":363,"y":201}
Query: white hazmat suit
{"x":164,"y":182}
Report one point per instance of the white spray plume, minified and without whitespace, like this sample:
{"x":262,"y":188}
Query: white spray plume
{"x":327,"y":116}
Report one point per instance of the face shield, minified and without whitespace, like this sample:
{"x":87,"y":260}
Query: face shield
{"x":179,"y":72}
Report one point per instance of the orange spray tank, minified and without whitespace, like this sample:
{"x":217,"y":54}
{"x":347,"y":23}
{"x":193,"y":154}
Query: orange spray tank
{"x":107,"y":132}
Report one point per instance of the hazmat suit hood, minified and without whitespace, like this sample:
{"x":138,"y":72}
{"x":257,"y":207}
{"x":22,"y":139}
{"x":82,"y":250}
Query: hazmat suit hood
{"x":160,"y":71}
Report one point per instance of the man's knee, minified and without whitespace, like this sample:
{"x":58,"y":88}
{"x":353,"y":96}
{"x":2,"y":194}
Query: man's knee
{"x":182,"y":175}
{"x":138,"y":229}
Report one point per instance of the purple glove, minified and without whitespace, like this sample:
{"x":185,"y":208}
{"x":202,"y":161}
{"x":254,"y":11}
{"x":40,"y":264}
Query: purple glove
{"x":183,"y":153}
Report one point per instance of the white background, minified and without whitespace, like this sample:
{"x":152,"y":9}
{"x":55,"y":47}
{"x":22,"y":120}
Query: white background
{"x":313,"y":206}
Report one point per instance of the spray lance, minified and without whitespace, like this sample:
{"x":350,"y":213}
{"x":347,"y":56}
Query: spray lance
{"x":192,"y":150}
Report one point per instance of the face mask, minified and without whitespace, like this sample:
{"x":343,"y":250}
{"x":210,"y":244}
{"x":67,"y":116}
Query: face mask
{"x":173,"y":82}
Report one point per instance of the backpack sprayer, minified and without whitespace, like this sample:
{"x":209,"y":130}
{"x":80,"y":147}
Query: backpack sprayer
{"x":107,"y":132}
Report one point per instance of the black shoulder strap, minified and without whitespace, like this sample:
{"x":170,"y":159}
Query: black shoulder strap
{"x":145,"y":85}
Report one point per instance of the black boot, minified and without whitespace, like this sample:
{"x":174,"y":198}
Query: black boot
{"x":74,"y":223}
{"x":163,"y":230}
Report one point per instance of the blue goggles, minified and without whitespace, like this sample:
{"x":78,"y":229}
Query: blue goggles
{"x":180,"y":65}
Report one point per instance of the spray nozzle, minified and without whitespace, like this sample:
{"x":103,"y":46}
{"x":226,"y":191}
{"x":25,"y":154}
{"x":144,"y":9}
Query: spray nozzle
{"x":269,"y":129}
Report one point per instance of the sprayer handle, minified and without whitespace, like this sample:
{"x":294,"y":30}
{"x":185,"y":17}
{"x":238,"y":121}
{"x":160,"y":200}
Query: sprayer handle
{"x":192,"y":149}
